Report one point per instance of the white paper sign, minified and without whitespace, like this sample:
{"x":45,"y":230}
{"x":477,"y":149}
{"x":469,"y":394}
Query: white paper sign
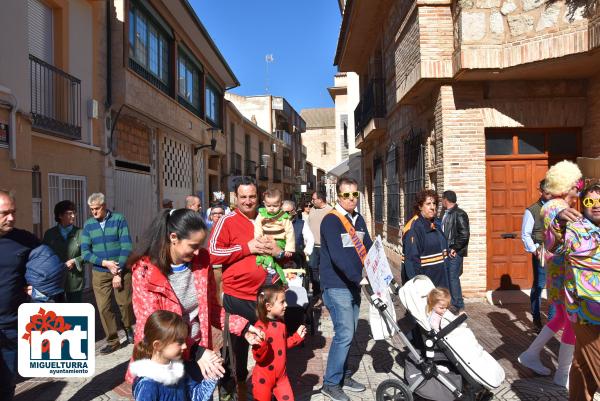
{"x":378,"y":268}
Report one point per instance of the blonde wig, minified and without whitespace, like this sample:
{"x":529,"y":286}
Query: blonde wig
{"x":561,"y":177}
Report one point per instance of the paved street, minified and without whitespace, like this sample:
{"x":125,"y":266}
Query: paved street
{"x":503,"y":331}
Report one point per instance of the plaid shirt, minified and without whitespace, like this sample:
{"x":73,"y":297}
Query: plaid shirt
{"x":582,"y":281}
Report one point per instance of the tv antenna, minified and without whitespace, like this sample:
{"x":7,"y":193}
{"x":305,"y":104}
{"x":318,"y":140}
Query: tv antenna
{"x":268,"y":60}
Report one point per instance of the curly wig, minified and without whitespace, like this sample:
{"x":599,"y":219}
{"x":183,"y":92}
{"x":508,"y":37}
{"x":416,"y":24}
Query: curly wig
{"x":561,"y":177}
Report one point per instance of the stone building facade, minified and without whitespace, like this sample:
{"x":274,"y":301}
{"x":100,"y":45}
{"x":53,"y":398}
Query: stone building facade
{"x":321,"y":137}
{"x":477,"y":96}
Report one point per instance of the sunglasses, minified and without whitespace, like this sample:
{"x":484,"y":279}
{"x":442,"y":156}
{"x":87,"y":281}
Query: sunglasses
{"x":346,"y":195}
{"x":589,"y":202}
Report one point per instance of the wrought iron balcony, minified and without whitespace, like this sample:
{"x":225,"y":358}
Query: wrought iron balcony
{"x":55,"y":100}
{"x":236,"y":164}
{"x":372,"y":105}
{"x":284,"y":136}
{"x":250,"y":168}
{"x":263,"y":173}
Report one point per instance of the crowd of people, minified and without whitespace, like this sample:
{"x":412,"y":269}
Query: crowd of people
{"x":172,"y":289}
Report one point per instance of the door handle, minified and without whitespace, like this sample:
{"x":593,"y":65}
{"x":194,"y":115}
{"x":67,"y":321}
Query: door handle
{"x":508,"y":235}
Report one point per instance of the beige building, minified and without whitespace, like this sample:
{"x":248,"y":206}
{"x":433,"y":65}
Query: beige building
{"x":51,"y":97}
{"x":275,"y":115}
{"x":321,"y":138}
{"x":252,"y":152}
{"x":475,"y":96}
{"x":166,"y":86}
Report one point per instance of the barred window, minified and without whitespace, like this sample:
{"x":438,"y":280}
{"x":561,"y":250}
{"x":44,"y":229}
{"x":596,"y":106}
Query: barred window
{"x":393,"y":187}
{"x":378,"y":189}
{"x":414,"y":171}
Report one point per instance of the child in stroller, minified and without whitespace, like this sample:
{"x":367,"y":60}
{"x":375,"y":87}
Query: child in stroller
{"x":443,"y":364}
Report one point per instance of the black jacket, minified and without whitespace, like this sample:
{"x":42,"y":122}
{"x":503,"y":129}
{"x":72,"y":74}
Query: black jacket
{"x":456,"y":229}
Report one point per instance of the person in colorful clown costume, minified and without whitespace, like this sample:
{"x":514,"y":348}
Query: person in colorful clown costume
{"x":272,"y":221}
{"x":563,"y":182}
{"x":582,"y":292}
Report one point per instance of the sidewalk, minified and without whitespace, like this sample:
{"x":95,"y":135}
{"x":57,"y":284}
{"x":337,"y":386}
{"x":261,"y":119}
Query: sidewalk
{"x":504,"y":331}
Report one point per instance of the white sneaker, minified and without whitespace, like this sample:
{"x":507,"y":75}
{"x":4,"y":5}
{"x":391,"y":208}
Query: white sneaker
{"x":534,"y":363}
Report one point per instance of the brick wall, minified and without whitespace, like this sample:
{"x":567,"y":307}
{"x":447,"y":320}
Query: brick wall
{"x":591,"y":130}
{"x":133,"y":141}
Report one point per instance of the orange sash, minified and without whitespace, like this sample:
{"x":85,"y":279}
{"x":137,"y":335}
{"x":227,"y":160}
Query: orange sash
{"x":360,"y":248}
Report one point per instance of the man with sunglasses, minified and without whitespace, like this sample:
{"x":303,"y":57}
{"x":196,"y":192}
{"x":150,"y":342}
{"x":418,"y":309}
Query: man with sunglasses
{"x":345,"y":242}
{"x":316,"y":215}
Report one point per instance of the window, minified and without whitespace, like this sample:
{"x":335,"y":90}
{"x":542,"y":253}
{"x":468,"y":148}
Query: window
{"x":393,"y":187}
{"x":414,"y":171}
{"x":188,"y":86}
{"x":378,"y":190}
{"x":231,"y":143}
{"x":68,"y":187}
{"x":36,"y":203}
{"x":148,"y":48}
{"x":213,"y":104}
{"x":344,"y":124}
{"x":324,"y":148}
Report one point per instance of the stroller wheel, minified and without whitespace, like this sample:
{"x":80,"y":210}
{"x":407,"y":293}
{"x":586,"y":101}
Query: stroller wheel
{"x":393,"y":390}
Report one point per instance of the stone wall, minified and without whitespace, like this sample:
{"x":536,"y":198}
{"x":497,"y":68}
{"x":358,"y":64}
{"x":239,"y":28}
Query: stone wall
{"x":505,"y":33}
{"x":313,"y":139}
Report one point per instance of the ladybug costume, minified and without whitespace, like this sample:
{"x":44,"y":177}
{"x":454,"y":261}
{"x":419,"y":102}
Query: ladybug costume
{"x":269,"y":376}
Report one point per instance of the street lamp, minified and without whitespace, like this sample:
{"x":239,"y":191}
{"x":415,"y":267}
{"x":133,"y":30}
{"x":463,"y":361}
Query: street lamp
{"x":213,"y":140}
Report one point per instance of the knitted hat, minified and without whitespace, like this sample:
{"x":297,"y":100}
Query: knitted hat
{"x":561,"y":177}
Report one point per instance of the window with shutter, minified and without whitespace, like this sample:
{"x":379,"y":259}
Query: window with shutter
{"x":40,"y":30}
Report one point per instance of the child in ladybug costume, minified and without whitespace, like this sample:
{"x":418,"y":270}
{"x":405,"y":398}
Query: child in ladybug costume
{"x":270,"y":376}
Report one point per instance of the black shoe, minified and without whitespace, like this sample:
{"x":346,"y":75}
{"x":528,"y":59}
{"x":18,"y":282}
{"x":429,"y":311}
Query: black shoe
{"x":334,"y":392}
{"x":129,"y":336}
{"x":109,"y":349}
{"x":537,"y":324}
{"x":352,"y":385}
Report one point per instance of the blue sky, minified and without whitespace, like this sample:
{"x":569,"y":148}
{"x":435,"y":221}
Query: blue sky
{"x":301,"y":35}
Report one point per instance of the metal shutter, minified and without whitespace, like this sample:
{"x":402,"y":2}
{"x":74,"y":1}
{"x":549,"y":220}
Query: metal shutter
{"x":40,"y":30}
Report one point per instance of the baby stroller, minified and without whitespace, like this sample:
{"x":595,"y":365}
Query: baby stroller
{"x":298,"y":304}
{"x":444,"y":366}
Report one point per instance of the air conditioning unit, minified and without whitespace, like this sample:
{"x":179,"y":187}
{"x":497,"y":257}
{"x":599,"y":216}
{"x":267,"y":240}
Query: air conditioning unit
{"x":274,"y":148}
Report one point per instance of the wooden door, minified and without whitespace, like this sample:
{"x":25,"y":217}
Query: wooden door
{"x":511,"y":187}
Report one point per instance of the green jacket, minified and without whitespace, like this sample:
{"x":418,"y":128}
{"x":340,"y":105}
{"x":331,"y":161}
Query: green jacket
{"x":66,"y":250}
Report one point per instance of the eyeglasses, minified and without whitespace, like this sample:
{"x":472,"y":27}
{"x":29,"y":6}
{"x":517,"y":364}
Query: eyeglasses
{"x":346,"y":195}
{"x":589,"y":202}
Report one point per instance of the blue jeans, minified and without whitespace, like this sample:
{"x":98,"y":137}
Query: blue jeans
{"x":314,"y":261}
{"x":343,"y":305}
{"x":455,"y":267}
{"x":539,"y":282}
{"x":8,"y":363}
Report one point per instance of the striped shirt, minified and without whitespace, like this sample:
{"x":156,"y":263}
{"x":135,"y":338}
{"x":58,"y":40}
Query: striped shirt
{"x":111,"y":243}
{"x":182,"y":282}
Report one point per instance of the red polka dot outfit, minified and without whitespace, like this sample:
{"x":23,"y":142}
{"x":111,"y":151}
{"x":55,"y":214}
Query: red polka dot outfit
{"x":269,"y":376}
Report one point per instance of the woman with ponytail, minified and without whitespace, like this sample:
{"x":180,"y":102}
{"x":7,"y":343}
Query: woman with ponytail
{"x":157,"y":367}
{"x":171,"y":271}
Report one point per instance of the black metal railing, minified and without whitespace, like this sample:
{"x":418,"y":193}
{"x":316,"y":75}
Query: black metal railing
{"x":55,"y":100}
{"x":263,"y":173}
{"x":371,"y":105}
{"x":277,"y":175}
{"x":236,"y":164}
{"x":414,"y":170}
{"x":250,"y":168}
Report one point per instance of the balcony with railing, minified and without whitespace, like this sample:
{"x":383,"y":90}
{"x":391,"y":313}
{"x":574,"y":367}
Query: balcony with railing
{"x":250,"y":168}
{"x":236,"y":164}
{"x":263,"y":173}
{"x":288,"y":173}
{"x":55,"y":100}
{"x":284,"y":136}
{"x":369,"y":115}
{"x":277,"y":175}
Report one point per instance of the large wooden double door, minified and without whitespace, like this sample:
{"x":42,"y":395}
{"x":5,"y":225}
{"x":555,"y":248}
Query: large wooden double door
{"x":516,"y":161}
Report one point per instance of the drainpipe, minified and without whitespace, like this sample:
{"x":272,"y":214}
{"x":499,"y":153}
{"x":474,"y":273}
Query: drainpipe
{"x":109,"y":8}
{"x":12,"y":125}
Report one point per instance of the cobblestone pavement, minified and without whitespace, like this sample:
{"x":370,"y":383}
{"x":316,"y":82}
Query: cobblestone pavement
{"x":504,"y":331}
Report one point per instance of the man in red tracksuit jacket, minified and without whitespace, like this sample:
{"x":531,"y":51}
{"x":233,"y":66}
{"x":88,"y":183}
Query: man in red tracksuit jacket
{"x":232,"y":246}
